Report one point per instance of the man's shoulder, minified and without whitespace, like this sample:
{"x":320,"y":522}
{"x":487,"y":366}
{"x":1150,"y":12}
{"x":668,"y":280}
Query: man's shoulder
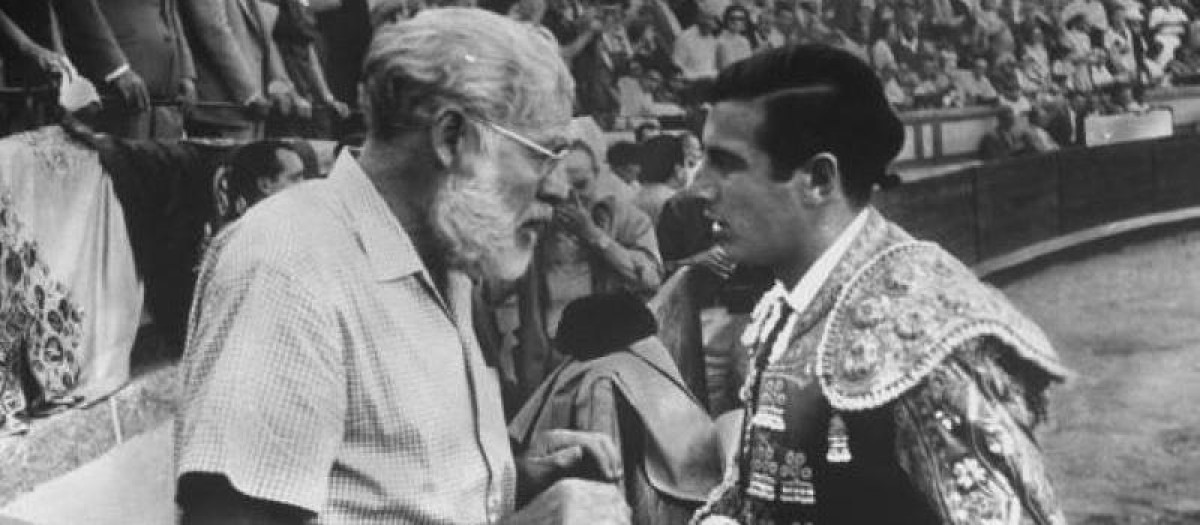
{"x":294,"y":227}
{"x":906,"y":311}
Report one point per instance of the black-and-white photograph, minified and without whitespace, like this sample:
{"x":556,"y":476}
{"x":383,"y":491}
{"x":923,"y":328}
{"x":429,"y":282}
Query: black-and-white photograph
{"x":599,"y":262}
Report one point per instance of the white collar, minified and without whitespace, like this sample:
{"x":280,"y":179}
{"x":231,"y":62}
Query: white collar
{"x":767,"y":314}
{"x":812,"y":280}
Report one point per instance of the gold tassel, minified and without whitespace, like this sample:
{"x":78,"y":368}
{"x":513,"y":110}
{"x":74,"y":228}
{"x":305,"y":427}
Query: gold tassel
{"x":839,"y":441}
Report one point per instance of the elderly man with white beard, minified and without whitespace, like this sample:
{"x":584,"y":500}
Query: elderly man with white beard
{"x":331,"y":374}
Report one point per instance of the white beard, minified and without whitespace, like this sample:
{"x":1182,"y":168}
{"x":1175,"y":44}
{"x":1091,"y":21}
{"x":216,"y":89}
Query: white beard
{"x":477,"y":230}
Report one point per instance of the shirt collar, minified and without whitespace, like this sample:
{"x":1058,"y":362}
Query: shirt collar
{"x":387,"y":246}
{"x":799,"y":297}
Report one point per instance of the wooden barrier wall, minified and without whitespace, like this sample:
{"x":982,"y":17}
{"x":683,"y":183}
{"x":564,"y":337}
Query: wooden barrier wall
{"x":991,"y":210}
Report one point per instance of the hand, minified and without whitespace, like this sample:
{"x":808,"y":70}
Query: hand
{"x":259,"y":107}
{"x":283,"y":104}
{"x":567,"y":453}
{"x":133,"y":91}
{"x":575,"y":501}
{"x":339,"y":108}
{"x":716,"y":260}
{"x":303,"y":107}
{"x":573,"y":218}
{"x":187,"y":95}
{"x":46,"y":60}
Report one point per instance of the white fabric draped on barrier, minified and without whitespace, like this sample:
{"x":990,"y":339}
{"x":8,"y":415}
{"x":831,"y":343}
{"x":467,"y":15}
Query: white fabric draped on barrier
{"x":59,"y":190}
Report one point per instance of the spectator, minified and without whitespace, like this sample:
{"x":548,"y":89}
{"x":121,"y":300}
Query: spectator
{"x":662,"y":174}
{"x":883,"y":57}
{"x":239,"y":76}
{"x":1012,"y":98}
{"x":140,"y":28}
{"x":1168,"y":23}
{"x":623,"y":159}
{"x":1065,"y":123}
{"x":296,"y":35}
{"x":935,"y":88}
{"x":907,"y":46}
{"x":734,"y":43}
{"x":651,"y":49}
{"x":1033,"y":46}
{"x":1075,"y":39}
{"x":1129,"y":100}
{"x":696,"y":49}
{"x":577,"y":28}
{"x":693,"y":156}
{"x":257,"y":171}
{"x":1184,"y":69}
{"x":992,"y":34}
{"x":1099,"y":71}
{"x":1095,"y":16}
{"x":615,"y":46}
{"x":1123,"y":40}
{"x":895,"y":92}
{"x":596,"y":244}
{"x":975,"y":85}
{"x":1013,"y":137}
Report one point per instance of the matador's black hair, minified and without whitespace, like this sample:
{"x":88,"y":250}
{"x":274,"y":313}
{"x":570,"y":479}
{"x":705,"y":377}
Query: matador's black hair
{"x":818,"y":99}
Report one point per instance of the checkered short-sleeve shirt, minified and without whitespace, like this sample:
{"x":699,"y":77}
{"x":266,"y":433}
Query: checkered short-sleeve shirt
{"x":324,"y":371}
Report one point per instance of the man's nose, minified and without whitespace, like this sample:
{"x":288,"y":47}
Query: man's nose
{"x":554,"y":189}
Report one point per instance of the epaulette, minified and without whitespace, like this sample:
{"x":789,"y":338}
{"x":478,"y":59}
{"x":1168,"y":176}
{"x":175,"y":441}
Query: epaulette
{"x":902,"y":313}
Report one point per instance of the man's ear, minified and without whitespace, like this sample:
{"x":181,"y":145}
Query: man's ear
{"x":448,"y":135}
{"x":820,"y":178}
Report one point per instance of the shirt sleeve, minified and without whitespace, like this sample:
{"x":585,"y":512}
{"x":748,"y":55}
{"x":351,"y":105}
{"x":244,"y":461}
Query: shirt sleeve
{"x":636,"y":235}
{"x":264,"y":388}
{"x":964,"y":437}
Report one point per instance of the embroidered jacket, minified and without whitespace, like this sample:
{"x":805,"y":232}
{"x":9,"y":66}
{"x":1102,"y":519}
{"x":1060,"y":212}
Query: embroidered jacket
{"x":906,"y":392}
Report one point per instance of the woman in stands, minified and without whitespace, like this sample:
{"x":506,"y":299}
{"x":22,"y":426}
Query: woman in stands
{"x":737,"y":40}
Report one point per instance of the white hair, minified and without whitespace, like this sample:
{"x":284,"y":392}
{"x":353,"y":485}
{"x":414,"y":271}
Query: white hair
{"x":487,"y":65}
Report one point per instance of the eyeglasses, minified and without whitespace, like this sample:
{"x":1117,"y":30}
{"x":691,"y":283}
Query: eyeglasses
{"x":549,"y":159}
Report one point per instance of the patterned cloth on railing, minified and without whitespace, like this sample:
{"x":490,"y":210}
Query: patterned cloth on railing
{"x":40,"y":333}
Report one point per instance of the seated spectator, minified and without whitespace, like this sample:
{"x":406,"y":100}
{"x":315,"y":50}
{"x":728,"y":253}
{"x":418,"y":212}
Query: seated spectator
{"x":1064,"y":122}
{"x":1092,"y":12}
{"x":623,"y":160}
{"x":734,"y":43}
{"x":1124,"y":43}
{"x":1014,"y":137}
{"x":991,"y":31}
{"x":1099,"y":104}
{"x":1075,"y":38}
{"x":661,"y":175}
{"x":975,"y":85}
{"x":635,"y":100}
{"x":882,"y":56}
{"x":1033,"y":78}
{"x":261,"y":169}
{"x":1033,"y":47}
{"x":897,"y":94}
{"x":696,"y":49}
{"x":614,"y":41}
{"x":1012,"y":98}
{"x":1184,"y":69}
{"x":595,"y":244}
{"x":1167,"y":24}
{"x":1128,"y":100}
{"x":1099,"y":70}
{"x":650,"y":48}
{"x":935,"y":89}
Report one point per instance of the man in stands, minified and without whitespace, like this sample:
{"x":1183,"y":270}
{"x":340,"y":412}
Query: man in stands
{"x":331,"y":372}
{"x":889,"y":385}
